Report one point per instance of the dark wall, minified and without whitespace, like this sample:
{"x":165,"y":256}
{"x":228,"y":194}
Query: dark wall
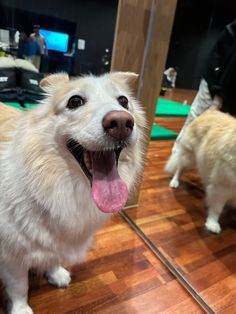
{"x":196,"y":27}
{"x":94,"y":21}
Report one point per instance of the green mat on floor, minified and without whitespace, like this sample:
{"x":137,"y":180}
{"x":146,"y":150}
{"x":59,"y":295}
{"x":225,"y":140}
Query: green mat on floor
{"x":168,"y":108}
{"x":160,"y":133}
{"x":18,"y":106}
{"x":29,"y":106}
{"x":14,"y":104}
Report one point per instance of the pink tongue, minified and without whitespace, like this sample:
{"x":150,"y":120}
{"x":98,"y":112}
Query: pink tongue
{"x":109,"y":192}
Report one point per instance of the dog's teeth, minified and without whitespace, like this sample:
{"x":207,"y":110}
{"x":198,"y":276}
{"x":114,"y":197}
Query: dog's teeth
{"x":87,"y":161}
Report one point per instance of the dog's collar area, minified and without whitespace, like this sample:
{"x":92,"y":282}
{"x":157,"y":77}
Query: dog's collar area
{"x":78,"y":151}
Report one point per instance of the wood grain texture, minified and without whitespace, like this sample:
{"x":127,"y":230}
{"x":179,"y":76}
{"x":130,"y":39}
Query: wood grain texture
{"x":132,"y":49}
{"x":120,"y":275}
{"x":129,"y":45}
{"x":180,"y":95}
{"x":130,"y":35}
{"x":174,"y":221}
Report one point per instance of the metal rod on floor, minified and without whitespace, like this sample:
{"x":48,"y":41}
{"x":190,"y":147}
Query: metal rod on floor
{"x":176,"y":273}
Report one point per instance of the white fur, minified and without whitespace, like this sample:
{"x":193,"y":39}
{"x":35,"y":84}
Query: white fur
{"x":47,"y":215}
{"x":59,"y":277}
{"x":209,"y":143}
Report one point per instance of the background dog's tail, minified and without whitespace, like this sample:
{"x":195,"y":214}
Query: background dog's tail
{"x":172,"y":163}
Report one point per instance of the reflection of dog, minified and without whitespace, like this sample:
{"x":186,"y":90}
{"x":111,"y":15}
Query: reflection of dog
{"x":78,"y":151}
{"x":210,"y":142}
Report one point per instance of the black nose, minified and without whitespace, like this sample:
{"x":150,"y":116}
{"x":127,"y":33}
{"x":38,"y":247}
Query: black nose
{"x":118,"y":124}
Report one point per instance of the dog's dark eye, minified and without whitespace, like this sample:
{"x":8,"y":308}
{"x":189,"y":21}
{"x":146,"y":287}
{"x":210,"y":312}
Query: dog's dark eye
{"x":123,"y":101}
{"x":75,"y":102}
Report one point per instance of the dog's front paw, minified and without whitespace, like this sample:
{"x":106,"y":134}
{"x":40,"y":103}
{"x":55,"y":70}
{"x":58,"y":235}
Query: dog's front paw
{"x":174,"y":183}
{"x":59,"y":277}
{"x":213,"y":225}
{"x":21,"y":309}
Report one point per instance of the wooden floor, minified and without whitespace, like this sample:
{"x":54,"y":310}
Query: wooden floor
{"x":181,"y":95}
{"x":121,"y":275}
{"x":174,"y":221}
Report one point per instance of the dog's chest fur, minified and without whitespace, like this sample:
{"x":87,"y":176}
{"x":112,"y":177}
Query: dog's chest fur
{"x":42,"y":225}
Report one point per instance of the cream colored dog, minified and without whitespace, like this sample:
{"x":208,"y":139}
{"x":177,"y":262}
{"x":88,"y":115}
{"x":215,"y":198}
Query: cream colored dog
{"x":65,"y":166}
{"x":210,"y":143}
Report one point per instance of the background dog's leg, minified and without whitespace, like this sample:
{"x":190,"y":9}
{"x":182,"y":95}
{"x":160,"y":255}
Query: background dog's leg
{"x":59,"y":277}
{"x":177,"y":163}
{"x":216,"y":200}
{"x":16,"y":283}
{"x":174,"y":183}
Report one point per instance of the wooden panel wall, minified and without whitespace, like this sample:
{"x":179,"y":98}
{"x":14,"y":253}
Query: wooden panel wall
{"x":131,"y":34}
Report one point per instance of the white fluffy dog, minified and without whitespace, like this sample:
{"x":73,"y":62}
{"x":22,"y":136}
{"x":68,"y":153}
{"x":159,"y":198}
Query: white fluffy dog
{"x":209,"y":142}
{"x":65,"y":166}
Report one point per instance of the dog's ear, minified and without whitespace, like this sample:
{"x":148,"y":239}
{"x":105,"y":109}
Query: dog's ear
{"x":50,"y":82}
{"x":124,"y":77}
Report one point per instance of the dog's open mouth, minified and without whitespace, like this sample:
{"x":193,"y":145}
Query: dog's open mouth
{"x":109,"y":191}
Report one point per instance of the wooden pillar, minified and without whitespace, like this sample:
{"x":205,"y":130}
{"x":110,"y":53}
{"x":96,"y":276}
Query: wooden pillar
{"x":143,"y":30}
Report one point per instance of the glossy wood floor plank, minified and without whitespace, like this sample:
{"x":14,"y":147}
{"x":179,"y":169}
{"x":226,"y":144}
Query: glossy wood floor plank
{"x":120,"y":275}
{"x":180,"y":95}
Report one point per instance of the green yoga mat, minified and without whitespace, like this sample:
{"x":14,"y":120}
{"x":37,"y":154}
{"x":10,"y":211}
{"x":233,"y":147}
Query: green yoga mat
{"x":29,"y":106}
{"x":14,"y":104}
{"x":18,"y":106}
{"x":168,"y":108}
{"x":160,"y":133}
